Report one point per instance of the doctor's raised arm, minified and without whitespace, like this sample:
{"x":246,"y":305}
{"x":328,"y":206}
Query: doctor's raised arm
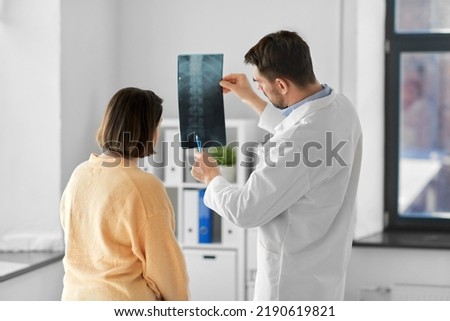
{"x":301,"y":195}
{"x":240,"y":86}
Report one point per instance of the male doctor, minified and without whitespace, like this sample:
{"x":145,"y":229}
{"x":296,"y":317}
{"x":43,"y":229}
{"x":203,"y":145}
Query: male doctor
{"x":301,"y":195}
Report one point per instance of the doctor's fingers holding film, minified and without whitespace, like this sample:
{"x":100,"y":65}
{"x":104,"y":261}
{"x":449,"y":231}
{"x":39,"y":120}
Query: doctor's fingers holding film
{"x":205,"y":168}
{"x":240,"y":86}
{"x":237,"y":83}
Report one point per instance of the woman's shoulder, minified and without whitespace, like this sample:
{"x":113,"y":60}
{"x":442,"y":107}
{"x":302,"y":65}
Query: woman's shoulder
{"x":139,"y":177}
{"x":150,"y":190}
{"x":80,"y":170}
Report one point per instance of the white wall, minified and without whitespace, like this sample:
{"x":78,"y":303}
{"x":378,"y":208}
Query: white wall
{"x":363,"y":82}
{"x":154,"y":33}
{"x":59,"y":69}
{"x":30,"y":127}
{"x":89,"y":74}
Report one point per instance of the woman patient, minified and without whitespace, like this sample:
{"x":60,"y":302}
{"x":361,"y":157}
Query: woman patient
{"x":118,"y":221}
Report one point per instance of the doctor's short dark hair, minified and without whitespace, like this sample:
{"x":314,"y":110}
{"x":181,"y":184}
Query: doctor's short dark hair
{"x":128,"y":127}
{"x":283,"y":54}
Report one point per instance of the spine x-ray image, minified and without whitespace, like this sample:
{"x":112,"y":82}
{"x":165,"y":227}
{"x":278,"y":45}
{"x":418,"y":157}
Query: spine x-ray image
{"x":200,"y":100}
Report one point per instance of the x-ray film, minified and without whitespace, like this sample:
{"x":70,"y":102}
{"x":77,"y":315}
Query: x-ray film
{"x":200,"y":100}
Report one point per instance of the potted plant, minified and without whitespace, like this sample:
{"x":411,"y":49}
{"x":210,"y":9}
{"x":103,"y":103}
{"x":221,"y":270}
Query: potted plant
{"x":226,"y":159}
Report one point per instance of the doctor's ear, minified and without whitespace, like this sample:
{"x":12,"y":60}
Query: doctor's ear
{"x":282,"y":85}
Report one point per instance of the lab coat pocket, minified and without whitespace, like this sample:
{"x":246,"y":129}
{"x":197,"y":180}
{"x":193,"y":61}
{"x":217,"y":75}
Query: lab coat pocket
{"x":268,"y":271}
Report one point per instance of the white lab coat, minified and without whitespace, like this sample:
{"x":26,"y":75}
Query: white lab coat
{"x":304,"y":210}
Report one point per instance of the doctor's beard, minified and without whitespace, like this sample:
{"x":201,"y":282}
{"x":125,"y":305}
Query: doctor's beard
{"x":277,"y":101}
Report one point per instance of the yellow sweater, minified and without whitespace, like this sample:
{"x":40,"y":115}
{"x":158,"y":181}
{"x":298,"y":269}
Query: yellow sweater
{"x":119,"y":232}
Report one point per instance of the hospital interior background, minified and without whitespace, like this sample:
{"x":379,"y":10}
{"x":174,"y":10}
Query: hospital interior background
{"x":61,"y":60}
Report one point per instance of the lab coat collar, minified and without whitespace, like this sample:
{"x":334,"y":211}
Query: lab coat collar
{"x":303,"y":111}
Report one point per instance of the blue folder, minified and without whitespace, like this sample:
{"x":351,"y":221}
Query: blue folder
{"x":204,"y":220}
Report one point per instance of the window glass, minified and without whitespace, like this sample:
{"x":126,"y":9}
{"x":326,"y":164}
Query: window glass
{"x":422,"y":16}
{"x":424,"y":171}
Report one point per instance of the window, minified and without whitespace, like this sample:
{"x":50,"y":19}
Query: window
{"x":417,"y":176}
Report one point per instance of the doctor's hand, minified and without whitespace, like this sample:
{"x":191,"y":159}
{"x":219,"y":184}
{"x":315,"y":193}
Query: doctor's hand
{"x":205,"y":168}
{"x":240,"y":86}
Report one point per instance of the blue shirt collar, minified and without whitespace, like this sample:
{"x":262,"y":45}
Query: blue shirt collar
{"x":320,"y":94}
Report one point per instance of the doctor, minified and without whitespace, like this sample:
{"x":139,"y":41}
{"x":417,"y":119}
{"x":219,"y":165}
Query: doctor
{"x":301,"y":195}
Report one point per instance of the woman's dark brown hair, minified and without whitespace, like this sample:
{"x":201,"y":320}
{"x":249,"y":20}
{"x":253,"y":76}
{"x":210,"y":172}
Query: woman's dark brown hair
{"x":129,"y":124}
{"x":283,"y":54}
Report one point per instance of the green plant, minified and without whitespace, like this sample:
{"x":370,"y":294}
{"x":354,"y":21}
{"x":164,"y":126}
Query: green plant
{"x":225,"y":156}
